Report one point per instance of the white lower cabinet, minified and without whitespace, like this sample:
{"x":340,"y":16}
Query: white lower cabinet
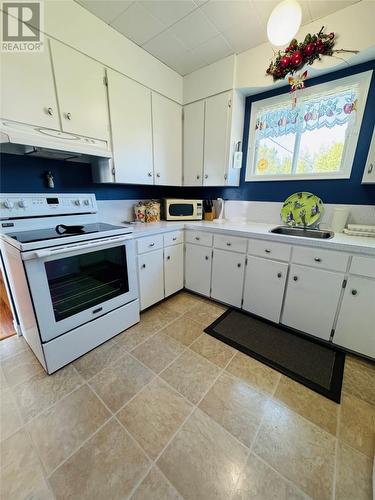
{"x":311,"y":300}
{"x":228,"y":271}
{"x":151,"y":278}
{"x":173,"y":269}
{"x":355,"y":327}
{"x":264,"y":287}
{"x":198,"y":269}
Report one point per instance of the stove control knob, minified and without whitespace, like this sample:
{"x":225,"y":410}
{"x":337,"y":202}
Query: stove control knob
{"x":86,"y":202}
{"x":22,"y":204}
{"x":77,"y":202}
{"x":8,"y":204}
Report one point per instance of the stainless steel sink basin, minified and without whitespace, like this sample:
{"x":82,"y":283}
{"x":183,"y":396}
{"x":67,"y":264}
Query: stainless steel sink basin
{"x":300,"y":231}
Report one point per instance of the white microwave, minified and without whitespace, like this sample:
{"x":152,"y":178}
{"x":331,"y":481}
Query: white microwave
{"x":176,"y":209}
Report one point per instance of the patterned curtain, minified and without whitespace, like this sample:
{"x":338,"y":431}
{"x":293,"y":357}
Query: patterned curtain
{"x":310,"y":114}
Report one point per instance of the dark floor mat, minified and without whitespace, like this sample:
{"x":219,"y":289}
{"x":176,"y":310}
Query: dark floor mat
{"x":315,"y":365}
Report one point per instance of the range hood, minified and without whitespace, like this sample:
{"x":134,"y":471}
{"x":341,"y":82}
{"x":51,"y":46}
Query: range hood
{"x":19,"y":138}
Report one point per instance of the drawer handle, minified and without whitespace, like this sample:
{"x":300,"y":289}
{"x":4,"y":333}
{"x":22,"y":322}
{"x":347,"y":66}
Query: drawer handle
{"x":239,"y":264}
{"x":95,"y":311}
{"x":168,"y":257}
{"x":151,"y":244}
{"x":174,"y":239}
{"x":197,"y":238}
{"x":279,"y":275}
{"x":206,"y":257}
{"x":317,"y":259}
{"x":229,"y":244}
{"x":267,"y":250}
{"x":370,"y":168}
{"x":354,"y":292}
{"x":143,"y":266}
{"x":295,"y":278}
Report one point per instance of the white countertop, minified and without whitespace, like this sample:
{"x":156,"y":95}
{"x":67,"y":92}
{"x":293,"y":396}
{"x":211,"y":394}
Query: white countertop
{"x":340,"y":241}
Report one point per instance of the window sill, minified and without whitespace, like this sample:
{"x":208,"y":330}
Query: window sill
{"x":317,"y":177}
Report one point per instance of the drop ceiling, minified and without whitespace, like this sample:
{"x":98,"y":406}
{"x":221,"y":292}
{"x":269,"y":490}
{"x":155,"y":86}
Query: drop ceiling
{"x":189,"y":34}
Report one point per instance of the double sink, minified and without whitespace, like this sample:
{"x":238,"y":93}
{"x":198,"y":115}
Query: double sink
{"x":305,"y":232}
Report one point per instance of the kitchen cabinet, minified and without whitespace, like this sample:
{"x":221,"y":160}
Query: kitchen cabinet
{"x":228,"y":270}
{"x":130,"y":112}
{"x":173,"y":269}
{"x":355,"y":328}
{"x":264,"y":287}
{"x":167,"y":141}
{"x":369,"y":172}
{"x":28,"y":89}
{"x":311,"y":300}
{"x":198,"y":269}
{"x":151,"y":278}
{"x":193,"y":127}
{"x":81,"y":92}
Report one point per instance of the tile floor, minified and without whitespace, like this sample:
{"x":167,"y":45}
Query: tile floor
{"x":164,"y":411}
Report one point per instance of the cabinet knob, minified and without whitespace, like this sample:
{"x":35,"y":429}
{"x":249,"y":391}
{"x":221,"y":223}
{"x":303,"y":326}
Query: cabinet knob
{"x":174,"y":238}
{"x":68,"y":116}
{"x":317,"y":259}
{"x":206,"y":176}
{"x":143,"y":266}
{"x":206,"y":257}
{"x":279,"y":275}
{"x":168,"y":257}
{"x":239,"y":264}
{"x":151,"y":244}
{"x":50,"y":111}
{"x":150,"y":174}
{"x":354,"y":292}
{"x":229,"y":244}
{"x":370,"y":168}
{"x":197,"y":238}
{"x":198,"y":177}
{"x":295,"y":278}
{"x":158,"y":174}
{"x":267,"y":250}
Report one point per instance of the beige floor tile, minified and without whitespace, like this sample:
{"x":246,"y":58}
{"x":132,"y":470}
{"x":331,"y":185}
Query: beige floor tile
{"x":58,"y":431}
{"x":203,"y":461}
{"x":205,"y":312}
{"x":357,"y":424}
{"x":10,"y":419}
{"x":94,"y":361}
{"x":212,"y":349}
{"x":158,"y":351}
{"x":236,"y":406}
{"x":21,"y":474}
{"x":297,"y":449}
{"x":316,"y":408}
{"x":183,"y":302}
{"x":154,"y":415}
{"x":184,"y":330}
{"x":21,"y":367}
{"x":41,"y":392}
{"x":359,"y":376}
{"x":191,"y":375}
{"x":155,"y":487}
{"x":354,"y":475}
{"x":12,"y":346}
{"x":108,"y":466}
{"x":120,"y":381}
{"x":253,"y":372}
{"x":259,"y":482}
{"x":129,"y":339}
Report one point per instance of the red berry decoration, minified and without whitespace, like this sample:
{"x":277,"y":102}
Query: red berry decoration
{"x":285,"y":61}
{"x":296,"y":58}
{"x":309,"y":49}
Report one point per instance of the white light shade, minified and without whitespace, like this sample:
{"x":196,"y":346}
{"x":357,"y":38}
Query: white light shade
{"x":284,"y":22}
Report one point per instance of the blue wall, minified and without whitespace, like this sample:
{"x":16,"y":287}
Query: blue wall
{"x":26,"y":174}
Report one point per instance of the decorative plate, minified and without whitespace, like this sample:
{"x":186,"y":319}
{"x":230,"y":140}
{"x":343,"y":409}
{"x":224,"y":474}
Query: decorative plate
{"x":302,"y":209}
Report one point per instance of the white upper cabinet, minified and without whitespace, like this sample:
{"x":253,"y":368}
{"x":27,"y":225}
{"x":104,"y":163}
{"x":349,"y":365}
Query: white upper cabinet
{"x":81,"y":93}
{"x":28,"y":90}
{"x":369,"y":173}
{"x":193,"y":125}
{"x":167,"y":141}
{"x":130,"y":112}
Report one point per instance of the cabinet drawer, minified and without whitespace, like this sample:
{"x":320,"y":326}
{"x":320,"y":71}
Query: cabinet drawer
{"x":328,"y":259}
{"x":230,"y":243}
{"x":269,"y":249}
{"x":150,"y":243}
{"x":365,"y":266}
{"x":173,"y":238}
{"x":199,"y":238}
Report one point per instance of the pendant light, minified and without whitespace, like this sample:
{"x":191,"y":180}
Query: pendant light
{"x":284,"y":22}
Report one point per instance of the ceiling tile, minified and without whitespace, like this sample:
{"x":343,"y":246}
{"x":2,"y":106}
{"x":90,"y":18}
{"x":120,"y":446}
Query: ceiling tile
{"x":214,"y":49}
{"x":319,"y":8}
{"x":167,"y":48}
{"x":191,"y":61}
{"x":194,"y":29}
{"x":138,"y":24}
{"x":226,"y":13}
{"x":243,"y":37}
{"x":168,"y":12}
{"x":107,"y":10}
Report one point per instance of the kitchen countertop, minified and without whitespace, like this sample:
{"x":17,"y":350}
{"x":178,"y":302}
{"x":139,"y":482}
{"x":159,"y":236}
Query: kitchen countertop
{"x":340,"y":241}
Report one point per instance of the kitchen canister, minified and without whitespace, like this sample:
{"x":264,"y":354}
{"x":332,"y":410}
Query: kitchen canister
{"x":339,"y":219}
{"x":153,"y":211}
{"x":140,"y":211}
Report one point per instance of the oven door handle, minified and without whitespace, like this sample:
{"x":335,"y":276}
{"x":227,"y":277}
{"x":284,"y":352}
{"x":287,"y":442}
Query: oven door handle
{"x":48,"y":252}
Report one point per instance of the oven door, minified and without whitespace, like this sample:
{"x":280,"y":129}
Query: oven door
{"x":74,"y":284}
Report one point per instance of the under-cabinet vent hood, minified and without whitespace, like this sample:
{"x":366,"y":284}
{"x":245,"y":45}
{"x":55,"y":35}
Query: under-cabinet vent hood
{"x":18,"y":138}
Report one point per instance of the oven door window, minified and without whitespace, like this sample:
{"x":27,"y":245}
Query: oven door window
{"x":181,"y":209}
{"x":84,"y":281}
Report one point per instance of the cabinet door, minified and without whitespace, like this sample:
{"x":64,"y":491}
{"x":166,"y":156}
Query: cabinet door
{"x":228,"y":270}
{"x":355,"y":327}
{"x":216,"y":140}
{"x":198,"y":269}
{"x":369,"y":173}
{"x":151,"y":278}
{"x":130,"y":111}
{"x":311,"y":300}
{"x":27,"y":89}
{"x":264,"y":287}
{"x":167,"y":140}
{"x":81,"y":92}
{"x":193,"y":125}
{"x":173,"y":269}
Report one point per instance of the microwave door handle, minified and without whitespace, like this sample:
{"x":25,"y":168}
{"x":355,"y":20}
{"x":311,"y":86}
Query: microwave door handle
{"x":40,"y":254}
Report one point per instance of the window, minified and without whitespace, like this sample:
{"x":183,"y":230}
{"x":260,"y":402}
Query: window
{"x":315,"y":139}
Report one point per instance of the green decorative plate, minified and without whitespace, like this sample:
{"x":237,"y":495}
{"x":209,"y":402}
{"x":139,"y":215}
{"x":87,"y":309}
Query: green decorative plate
{"x":302,"y":209}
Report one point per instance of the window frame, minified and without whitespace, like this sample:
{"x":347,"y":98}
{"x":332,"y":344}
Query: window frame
{"x":362,"y":79}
